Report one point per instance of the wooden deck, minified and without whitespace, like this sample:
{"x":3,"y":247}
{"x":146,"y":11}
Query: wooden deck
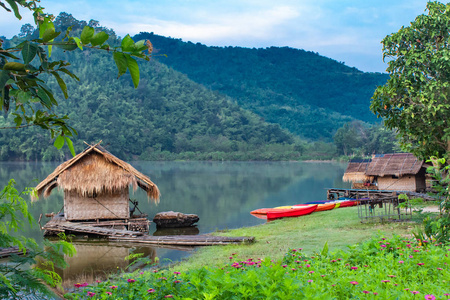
{"x":333,"y":194}
{"x":59,"y":224}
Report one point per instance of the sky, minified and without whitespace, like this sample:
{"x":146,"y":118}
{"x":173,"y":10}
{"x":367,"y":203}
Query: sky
{"x":348,"y":31}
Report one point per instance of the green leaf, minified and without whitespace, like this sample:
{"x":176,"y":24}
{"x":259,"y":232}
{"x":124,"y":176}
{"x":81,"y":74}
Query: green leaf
{"x":4,"y":76}
{"x":99,"y":38}
{"x":45,"y":100}
{"x":127,"y":43}
{"x":134,"y":70}
{"x":78,"y":42}
{"x":121,"y":62}
{"x":141,"y":46}
{"x":69,"y":73}
{"x":325,"y":249}
{"x":66,"y":45}
{"x":14,"y":8}
{"x":29,"y":51}
{"x":87,"y":34}
{"x":70,"y":145}
{"x":62,"y":84}
{"x":59,"y":142}
{"x":14,"y":66}
{"x":50,"y":34}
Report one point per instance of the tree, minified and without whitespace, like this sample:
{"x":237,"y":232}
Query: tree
{"x":21,"y":86}
{"x":25,"y":94}
{"x":414,"y":101}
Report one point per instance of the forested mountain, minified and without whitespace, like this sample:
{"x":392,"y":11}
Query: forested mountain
{"x":167,"y":114}
{"x":308,"y":94}
{"x":199,"y":102}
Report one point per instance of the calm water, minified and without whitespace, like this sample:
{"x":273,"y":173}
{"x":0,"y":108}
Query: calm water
{"x":221,"y":193}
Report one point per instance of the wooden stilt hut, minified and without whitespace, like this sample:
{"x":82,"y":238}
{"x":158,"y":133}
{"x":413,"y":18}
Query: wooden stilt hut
{"x":96,"y":185}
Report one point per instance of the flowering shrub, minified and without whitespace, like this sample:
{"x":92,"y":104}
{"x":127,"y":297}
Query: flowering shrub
{"x":395,"y":268}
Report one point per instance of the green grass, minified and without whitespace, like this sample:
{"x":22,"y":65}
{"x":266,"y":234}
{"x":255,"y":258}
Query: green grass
{"x":339,"y":228}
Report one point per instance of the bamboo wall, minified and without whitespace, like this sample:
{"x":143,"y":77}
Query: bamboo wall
{"x":405,"y":183}
{"x":103,"y":206}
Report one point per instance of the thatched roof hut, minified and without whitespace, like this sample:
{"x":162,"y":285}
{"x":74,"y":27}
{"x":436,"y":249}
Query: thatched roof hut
{"x":394,"y":171}
{"x":356,"y":171}
{"x":95,"y":185}
{"x":397,"y":164}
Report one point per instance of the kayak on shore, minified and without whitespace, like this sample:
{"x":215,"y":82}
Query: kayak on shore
{"x":300,"y":209}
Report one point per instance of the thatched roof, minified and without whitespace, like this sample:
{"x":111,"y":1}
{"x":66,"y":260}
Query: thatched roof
{"x":397,"y":164}
{"x":356,"y":171}
{"x":95,"y":170}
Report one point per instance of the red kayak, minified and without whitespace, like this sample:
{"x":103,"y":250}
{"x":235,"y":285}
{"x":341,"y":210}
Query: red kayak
{"x":292,"y":212}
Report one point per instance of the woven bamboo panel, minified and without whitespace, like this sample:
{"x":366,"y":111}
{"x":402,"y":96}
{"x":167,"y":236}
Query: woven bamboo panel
{"x":103,"y":206}
{"x":405,"y":183}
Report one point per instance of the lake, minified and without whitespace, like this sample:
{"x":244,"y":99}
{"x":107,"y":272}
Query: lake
{"x":221,"y":193}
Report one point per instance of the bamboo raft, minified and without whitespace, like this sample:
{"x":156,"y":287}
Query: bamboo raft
{"x":184,"y":240}
{"x":59,"y":224}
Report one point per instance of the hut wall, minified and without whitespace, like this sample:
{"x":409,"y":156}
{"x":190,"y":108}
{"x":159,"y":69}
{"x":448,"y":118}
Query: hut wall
{"x":421,"y":184}
{"x":405,"y":183}
{"x":104,"y":206}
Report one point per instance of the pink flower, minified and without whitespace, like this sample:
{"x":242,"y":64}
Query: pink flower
{"x":130,"y":280}
{"x":385,"y":281}
{"x":440,"y":269}
{"x":414,"y":292}
{"x":113,"y":287}
{"x":384,"y":246}
{"x":150,"y":290}
{"x":308,"y":266}
{"x":420,"y":264}
{"x":310,"y":280}
{"x":410,"y":256}
{"x":354,"y":282}
{"x":284,"y":266}
{"x":392,"y":276}
{"x":177,"y":281}
{"x":406,"y":289}
{"x":176,"y":273}
{"x":141,"y":273}
{"x":168,"y":296}
{"x":354,"y":268}
{"x":366,"y":292}
{"x":90,"y":294}
{"x":375,"y":293}
{"x":401,"y":261}
{"x":430,"y":297}
{"x":311,"y":272}
{"x":109,"y":293}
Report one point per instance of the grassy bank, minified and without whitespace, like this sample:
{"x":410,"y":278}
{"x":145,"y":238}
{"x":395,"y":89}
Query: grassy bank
{"x":339,"y":228}
{"x":386,"y":267}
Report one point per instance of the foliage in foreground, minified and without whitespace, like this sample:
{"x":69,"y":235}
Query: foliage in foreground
{"x":395,"y":268}
{"x":16,"y":277}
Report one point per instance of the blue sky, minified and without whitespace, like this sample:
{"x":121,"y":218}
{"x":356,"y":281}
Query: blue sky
{"x":349,"y":31}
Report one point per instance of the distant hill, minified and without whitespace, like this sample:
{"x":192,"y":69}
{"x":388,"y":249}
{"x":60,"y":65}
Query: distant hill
{"x":304,"y":92}
{"x":168,"y":116}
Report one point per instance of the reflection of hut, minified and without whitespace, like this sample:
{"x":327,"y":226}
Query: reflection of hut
{"x":97,"y":261}
{"x":95,"y":185}
{"x":397,"y":172}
